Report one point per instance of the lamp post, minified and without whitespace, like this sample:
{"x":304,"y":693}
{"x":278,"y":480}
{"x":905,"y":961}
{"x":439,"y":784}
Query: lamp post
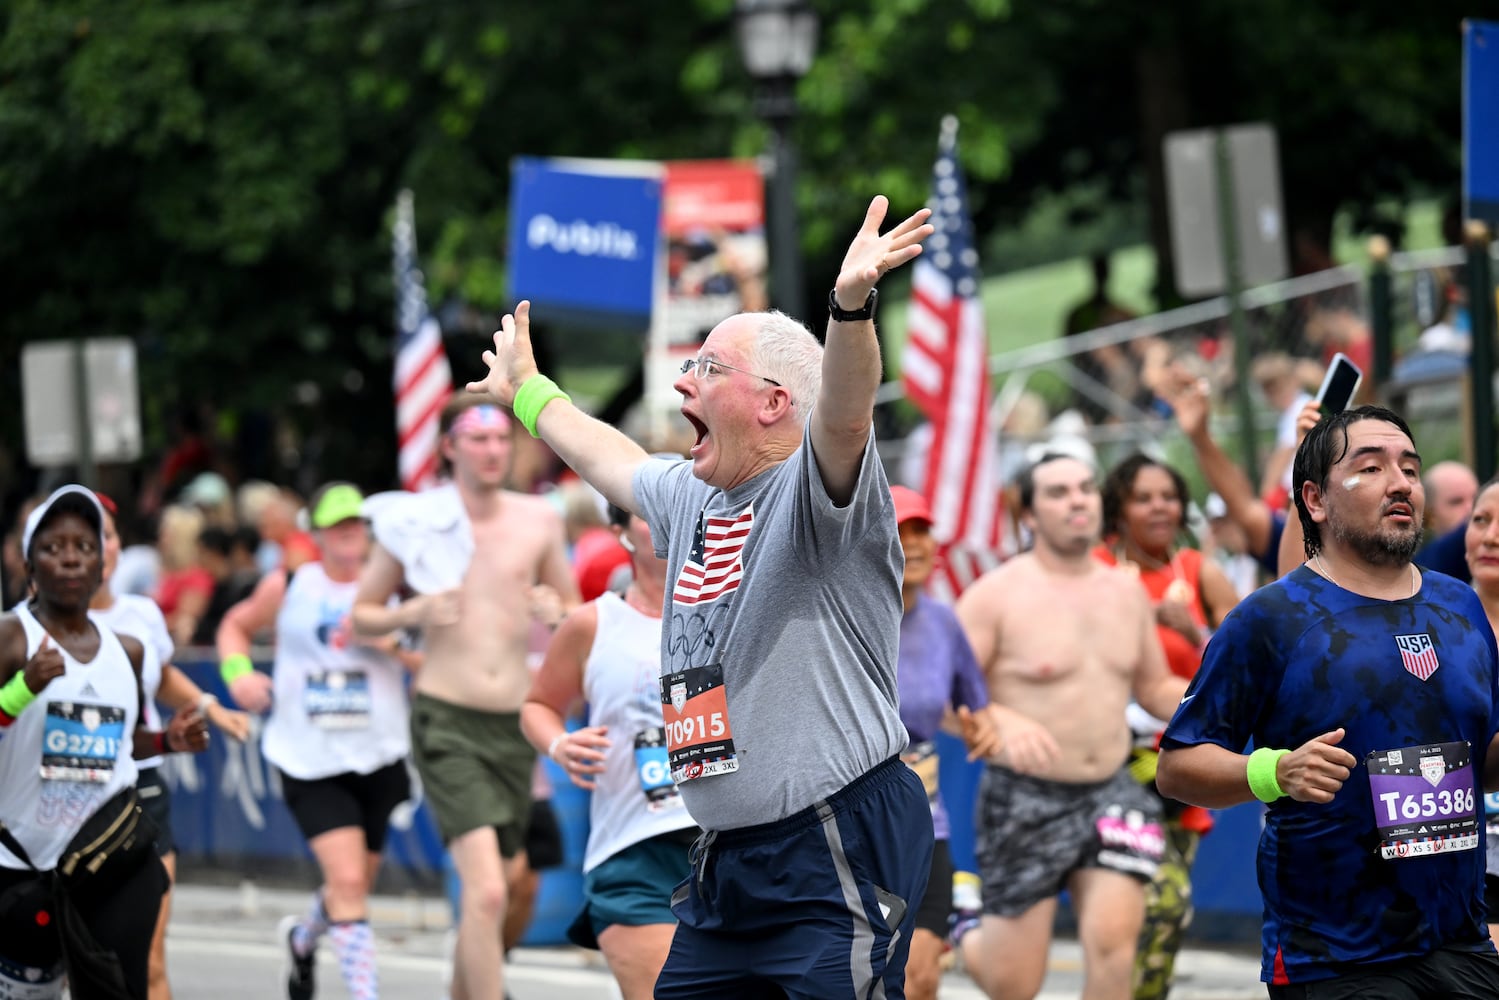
{"x":777,"y":40}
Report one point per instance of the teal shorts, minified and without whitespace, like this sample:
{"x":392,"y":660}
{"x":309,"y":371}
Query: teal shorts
{"x":633,"y":887}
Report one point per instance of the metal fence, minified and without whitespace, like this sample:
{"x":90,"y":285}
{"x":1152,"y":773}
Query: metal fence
{"x":1100,"y":387}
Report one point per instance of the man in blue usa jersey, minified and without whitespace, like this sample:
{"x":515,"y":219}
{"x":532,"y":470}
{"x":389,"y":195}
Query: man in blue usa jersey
{"x":1370,"y":691}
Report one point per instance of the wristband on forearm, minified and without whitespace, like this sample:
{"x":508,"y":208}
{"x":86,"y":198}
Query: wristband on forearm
{"x":14,"y":697}
{"x":159,"y":742}
{"x":533,"y":396}
{"x":234,"y":667}
{"x":1261,"y":774}
{"x":552,"y":749}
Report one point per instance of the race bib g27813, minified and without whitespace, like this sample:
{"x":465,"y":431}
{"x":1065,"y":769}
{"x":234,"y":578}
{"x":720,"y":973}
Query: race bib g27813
{"x":80,"y":741}
{"x":1425,"y":799}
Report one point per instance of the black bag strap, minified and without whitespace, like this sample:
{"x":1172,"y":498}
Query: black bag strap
{"x":14,"y":846}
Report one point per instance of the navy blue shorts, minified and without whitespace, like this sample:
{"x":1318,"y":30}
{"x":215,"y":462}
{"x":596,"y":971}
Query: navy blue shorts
{"x":818,"y":905}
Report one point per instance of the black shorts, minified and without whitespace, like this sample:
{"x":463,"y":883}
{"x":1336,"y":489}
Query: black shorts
{"x":543,"y":837}
{"x":348,"y":799}
{"x":1446,"y":972}
{"x":1491,"y":897}
{"x":936,"y":905}
{"x":156,"y":802}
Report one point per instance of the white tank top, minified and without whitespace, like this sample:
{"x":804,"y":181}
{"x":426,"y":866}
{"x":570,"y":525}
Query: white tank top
{"x":339,"y":707}
{"x":70,"y":749}
{"x":634,"y":798}
{"x":141,"y":619}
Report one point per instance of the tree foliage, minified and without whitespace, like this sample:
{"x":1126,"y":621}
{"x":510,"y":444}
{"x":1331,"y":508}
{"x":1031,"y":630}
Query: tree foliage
{"x":215,"y":177}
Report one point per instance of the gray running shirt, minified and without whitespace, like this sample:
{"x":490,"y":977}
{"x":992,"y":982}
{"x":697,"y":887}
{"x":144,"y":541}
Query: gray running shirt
{"x":799,"y":600}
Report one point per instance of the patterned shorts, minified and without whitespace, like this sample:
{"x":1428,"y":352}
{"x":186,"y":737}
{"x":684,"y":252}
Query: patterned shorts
{"x":1034,"y":833}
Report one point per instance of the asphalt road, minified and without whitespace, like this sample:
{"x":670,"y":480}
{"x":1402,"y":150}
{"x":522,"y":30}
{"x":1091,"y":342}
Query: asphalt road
{"x":222,"y":946}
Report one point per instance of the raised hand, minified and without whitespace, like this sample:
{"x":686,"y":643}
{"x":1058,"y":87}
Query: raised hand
{"x":1316,"y":770}
{"x":1311,"y":412}
{"x":871,"y":255}
{"x":44,"y":666}
{"x":511,"y":362}
{"x":1189,"y":401}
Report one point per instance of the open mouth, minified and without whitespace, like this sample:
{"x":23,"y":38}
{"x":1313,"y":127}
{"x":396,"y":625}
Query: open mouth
{"x":699,"y":430}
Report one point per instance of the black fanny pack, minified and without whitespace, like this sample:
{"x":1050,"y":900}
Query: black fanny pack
{"x":110,"y":847}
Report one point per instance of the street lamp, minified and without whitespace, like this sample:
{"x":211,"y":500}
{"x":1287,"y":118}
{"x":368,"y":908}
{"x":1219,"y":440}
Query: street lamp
{"x":777,"y":40}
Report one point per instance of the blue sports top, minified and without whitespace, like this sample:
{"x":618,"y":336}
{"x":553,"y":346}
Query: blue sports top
{"x":1393,"y":867}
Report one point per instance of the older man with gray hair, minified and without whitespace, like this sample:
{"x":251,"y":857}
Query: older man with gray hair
{"x":779,"y":639}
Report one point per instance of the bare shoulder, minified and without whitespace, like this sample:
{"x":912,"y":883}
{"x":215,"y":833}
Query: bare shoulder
{"x":986,"y":592}
{"x":535,"y":509}
{"x":1124,"y":586}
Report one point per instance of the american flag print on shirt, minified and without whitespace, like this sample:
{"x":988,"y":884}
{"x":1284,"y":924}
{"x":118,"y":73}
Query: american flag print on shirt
{"x":716,"y":563}
{"x":1418,"y":654}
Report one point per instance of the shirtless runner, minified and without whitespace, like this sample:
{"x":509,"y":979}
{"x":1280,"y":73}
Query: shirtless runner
{"x":475,"y":614}
{"x":1064,"y":641}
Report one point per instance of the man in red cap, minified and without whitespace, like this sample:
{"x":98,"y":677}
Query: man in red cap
{"x":935,"y":672}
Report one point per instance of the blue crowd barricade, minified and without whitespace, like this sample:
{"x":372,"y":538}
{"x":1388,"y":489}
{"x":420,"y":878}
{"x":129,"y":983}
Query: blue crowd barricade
{"x":228,"y":814}
{"x":1225,"y":891}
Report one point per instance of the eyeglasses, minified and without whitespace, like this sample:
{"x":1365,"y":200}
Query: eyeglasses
{"x":704,"y":366}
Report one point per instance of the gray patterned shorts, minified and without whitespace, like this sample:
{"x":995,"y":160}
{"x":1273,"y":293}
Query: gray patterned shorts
{"x":1034,"y":833}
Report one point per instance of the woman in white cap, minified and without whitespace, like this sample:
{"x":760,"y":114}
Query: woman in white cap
{"x":337,"y":732}
{"x":140,"y":618}
{"x":72,"y":724}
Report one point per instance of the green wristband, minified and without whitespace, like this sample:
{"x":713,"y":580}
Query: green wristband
{"x":532,"y":397}
{"x":234,"y":667}
{"x":15,"y":696}
{"x":1261,"y":774}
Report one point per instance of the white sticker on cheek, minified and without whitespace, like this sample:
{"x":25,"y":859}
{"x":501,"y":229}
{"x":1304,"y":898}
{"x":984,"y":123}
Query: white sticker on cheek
{"x":1351,"y":482}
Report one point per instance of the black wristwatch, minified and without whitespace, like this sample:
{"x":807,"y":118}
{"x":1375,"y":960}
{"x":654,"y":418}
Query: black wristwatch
{"x":852,"y":315}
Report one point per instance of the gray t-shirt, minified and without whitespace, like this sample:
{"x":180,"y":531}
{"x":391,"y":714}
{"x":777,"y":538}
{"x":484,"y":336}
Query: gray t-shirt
{"x":799,"y":601}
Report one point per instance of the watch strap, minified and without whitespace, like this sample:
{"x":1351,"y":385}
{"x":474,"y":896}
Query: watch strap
{"x":842,"y":315}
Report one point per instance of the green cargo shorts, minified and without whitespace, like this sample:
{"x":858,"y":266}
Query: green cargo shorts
{"x":475,"y":768}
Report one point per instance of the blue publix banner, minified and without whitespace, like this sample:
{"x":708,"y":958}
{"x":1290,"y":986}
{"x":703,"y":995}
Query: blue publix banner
{"x":583,"y":238}
{"x":228,"y":812}
{"x":1481,"y":121}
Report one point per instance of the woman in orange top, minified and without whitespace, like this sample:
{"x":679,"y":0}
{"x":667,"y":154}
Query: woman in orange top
{"x":1144,"y":517}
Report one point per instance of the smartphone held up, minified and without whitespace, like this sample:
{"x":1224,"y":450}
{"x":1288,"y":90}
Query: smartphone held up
{"x":1339,"y":385}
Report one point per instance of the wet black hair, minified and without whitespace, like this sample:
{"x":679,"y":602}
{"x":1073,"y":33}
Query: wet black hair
{"x":1325,"y":445}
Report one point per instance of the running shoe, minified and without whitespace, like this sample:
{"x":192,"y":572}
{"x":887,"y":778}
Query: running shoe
{"x":301,"y":981}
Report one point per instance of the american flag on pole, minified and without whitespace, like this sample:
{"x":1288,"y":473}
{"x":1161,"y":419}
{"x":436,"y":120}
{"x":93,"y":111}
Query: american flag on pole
{"x":1418,"y":653}
{"x":423,"y":380}
{"x":946,"y":373}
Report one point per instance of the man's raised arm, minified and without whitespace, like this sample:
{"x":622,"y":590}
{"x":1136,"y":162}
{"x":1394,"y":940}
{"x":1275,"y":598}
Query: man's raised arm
{"x":851,"y":367}
{"x":601,"y":454}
